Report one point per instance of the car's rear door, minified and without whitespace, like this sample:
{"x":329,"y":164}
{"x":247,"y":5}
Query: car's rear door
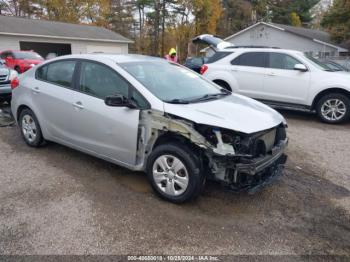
{"x":249,"y":70}
{"x":110,"y":132}
{"x":284,"y":84}
{"x":53,"y":94}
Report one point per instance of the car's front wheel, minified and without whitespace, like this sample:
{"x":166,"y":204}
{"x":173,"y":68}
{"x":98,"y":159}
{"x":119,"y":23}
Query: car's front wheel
{"x":30,"y":128}
{"x":333,"y":108}
{"x":175,"y":173}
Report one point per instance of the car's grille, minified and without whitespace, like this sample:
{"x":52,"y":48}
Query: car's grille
{"x":264,"y":143}
{"x":269,"y":139}
{"x":5,"y":82}
{"x":3,"y":78}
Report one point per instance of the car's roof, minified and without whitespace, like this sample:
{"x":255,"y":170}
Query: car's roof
{"x":259,"y":49}
{"x":114,"y":57}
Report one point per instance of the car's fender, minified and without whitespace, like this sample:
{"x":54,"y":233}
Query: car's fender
{"x":223,"y":76}
{"x":321,"y":84}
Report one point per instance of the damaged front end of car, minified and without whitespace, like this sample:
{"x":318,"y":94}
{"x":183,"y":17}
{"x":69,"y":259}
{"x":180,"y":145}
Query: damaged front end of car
{"x":242,"y":162}
{"x":256,"y":159}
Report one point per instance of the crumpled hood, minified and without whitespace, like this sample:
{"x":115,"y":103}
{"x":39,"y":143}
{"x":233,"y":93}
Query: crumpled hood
{"x":234,"y":112}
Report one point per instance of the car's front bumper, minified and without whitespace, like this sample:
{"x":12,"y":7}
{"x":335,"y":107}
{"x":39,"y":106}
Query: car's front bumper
{"x":251,"y":174}
{"x":5,"y":90}
{"x":254,"y":166}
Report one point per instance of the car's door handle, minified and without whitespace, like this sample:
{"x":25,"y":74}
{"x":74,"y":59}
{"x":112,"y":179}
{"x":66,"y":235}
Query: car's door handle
{"x":78,"y":105}
{"x":234,"y":70}
{"x":36,"y":90}
{"x":271,"y":74}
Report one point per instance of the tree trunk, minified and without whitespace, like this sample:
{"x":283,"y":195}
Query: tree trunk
{"x":163,"y":27}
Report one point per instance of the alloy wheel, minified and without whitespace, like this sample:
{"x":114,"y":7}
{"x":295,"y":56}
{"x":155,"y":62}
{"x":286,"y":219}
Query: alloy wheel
{"x":333,"y":109}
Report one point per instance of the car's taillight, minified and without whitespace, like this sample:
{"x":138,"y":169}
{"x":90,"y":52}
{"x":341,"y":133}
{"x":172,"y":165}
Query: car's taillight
{"x":204,"y":68}
{"x":14,"y":83}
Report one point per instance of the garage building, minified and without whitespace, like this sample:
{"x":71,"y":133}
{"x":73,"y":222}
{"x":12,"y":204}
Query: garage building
{"x":44,"y":37}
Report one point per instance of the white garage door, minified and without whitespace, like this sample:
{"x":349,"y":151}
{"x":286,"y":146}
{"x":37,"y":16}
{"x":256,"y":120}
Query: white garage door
{"x":104,"y":49}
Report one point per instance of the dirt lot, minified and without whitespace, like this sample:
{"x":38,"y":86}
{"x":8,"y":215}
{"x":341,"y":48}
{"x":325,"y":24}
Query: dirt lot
{"x":55,"y":200}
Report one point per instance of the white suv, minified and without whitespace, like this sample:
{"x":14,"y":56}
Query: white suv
{"x":283,"y":79}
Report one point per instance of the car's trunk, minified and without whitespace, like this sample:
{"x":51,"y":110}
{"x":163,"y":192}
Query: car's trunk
{"x":214,"y":42}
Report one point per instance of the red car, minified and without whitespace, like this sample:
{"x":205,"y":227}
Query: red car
{"x":21,"y":61}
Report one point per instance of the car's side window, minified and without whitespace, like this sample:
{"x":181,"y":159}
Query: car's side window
{"x":41,"y":73}
{"x":282,"y":61}
{"x":4,"y":55}
{"x":254,"y":59}
{"x":101,"y":81}
{"x":60,"y":73}
{"x":141,"y":102}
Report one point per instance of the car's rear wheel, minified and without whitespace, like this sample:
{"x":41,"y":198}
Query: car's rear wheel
{"x":174,"y":173}
{"x":30,"y":128}
{"x":333,"y":108}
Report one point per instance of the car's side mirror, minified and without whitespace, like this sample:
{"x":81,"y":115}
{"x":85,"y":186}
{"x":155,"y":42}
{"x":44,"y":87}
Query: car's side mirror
{"x":300,"y":67}
{"x":119,"y":101}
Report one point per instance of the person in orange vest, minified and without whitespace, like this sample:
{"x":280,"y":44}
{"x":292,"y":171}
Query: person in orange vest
{"x":172,"y":55}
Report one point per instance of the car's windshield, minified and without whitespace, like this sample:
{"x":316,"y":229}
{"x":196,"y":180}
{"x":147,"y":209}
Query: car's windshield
{"x":171,"y":82}
{"x":333,"y":66}
{"x":27,"y":55}
{"x":317,"y":63}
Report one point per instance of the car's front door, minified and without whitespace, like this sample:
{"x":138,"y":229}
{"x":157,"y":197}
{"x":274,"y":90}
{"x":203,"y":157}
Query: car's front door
{"x":249,"y":70}
{"x":110,"y":132}
{"x":284,"y":84}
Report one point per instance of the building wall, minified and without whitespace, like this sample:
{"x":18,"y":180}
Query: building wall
{"x":268,"y":36}
{"x":78,"y":47}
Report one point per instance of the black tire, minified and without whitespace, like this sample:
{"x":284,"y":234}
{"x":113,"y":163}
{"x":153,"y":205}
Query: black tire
{"x":321,"y":104}
{"x":196,"y":177}
{"x":39,"y":139}
{"x":223,"y":84}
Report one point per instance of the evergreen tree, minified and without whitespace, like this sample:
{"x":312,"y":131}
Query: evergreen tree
{"x":337,"y":21}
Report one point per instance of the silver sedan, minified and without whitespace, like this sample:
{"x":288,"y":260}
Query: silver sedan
{"x":152,"y":115}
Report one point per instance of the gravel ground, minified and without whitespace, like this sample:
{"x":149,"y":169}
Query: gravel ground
{"x":55,"y":200}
